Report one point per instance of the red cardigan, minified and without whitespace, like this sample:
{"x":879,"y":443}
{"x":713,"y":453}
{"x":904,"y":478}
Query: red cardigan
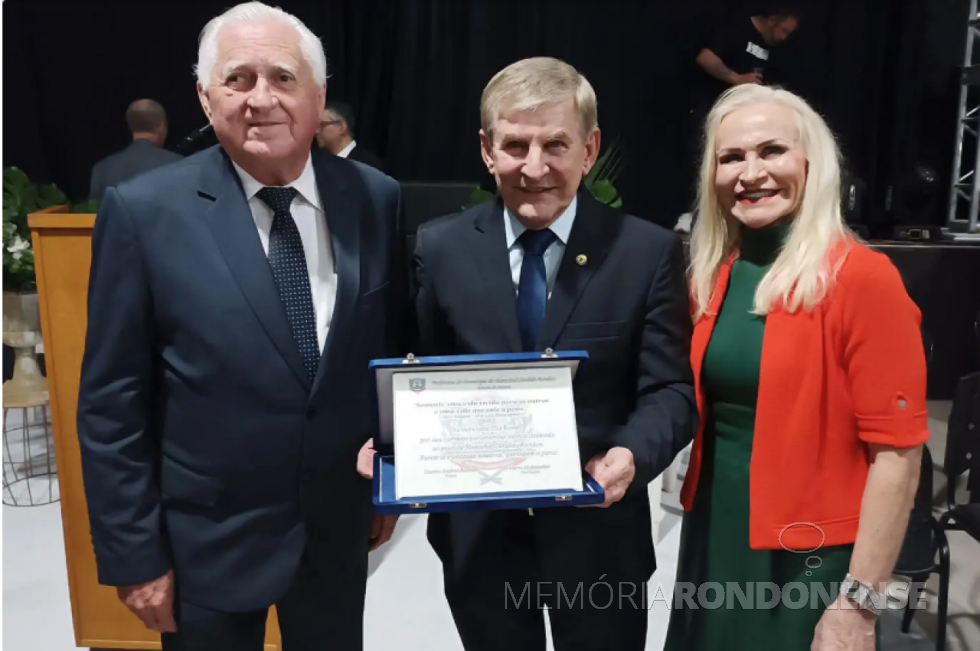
{"x":831,"y":381}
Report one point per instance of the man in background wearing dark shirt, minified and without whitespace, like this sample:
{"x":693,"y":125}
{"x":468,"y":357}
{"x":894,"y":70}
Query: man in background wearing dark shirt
{"x":740,"y":52}
{"x":148,"y":122}
{"x":737,"y":52}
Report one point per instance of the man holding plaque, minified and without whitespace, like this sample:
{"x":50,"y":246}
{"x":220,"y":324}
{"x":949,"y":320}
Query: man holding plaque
{"x":547,"y":266}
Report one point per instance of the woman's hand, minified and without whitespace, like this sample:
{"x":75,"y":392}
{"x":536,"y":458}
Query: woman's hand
{"x":845,"y":627}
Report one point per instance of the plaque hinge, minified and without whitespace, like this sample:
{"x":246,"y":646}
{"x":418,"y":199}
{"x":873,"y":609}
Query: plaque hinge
{"x":549,"y":354}
{"x":410,"y":359}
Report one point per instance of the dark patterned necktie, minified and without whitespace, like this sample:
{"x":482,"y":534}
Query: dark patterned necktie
{"x":288,"y":262}
{"x":532,"y":292}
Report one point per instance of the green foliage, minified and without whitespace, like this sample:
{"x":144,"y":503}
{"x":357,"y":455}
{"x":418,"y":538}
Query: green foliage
{"x":603,"y":174}
{"x":21,"y":197}
{"x":87,"y":207}
{"x":478,"y":196}
{"x":599,"y":181}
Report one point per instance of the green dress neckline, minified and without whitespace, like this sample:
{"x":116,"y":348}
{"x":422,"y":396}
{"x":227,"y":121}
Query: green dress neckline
{"x":761,"y":246}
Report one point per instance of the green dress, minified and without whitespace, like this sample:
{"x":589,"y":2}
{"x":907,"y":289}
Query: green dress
{"x":715,"y":533}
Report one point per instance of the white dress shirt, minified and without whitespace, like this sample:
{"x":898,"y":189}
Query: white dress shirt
{"x":562,"y":227}
{"x":343,"y":153}
{"x":307,"y":212}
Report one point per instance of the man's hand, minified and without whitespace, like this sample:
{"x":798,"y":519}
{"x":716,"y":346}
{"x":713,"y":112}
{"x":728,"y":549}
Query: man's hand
{"x":748,"y":78}
{"x":614,"y":471}
{"x":381,"y":529}
{"x":152,"y":602}
{"x":844,"y":627}
{"x":365,"y":460}
{"x":383,"y":525}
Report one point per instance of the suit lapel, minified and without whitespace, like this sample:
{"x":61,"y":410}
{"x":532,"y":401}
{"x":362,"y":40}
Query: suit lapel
{"x":593,"y":233}
{"x":344,"y":199}
{"x":230,"y":220}
{"x":493,"y":261}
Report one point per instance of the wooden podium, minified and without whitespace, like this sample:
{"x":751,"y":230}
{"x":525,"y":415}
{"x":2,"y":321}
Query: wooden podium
{"x":62,"y":257}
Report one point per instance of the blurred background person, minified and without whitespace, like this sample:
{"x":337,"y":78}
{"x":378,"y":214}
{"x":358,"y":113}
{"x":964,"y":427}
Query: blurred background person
{"x":824,"y":416}
{"x":741,"y":51}
{"x":147,"y":121}
{"x":737,"y":51}
{"x":336,"y":135}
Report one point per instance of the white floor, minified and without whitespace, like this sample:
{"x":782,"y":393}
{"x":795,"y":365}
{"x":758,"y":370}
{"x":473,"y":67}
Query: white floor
{"x":405,"y":609}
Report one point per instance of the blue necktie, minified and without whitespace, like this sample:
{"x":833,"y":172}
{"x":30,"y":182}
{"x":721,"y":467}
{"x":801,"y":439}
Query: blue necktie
{"x":288,"y":262}
{"x":532,"y":293}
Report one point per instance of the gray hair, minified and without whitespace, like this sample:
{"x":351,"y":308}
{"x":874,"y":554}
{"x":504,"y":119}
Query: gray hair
{"x":309,"y":44}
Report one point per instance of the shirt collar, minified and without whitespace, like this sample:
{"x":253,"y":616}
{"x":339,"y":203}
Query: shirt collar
{"x":562,"y":227}
{"x":305,"y":184}
{"x":343,"y":153}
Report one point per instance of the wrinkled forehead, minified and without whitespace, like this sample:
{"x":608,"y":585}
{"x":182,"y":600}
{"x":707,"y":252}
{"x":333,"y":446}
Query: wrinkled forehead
{"x":266,"y":44}
{"x":541,"y":121}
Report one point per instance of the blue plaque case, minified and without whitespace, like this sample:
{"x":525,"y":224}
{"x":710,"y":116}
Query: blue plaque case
{"x":385,"y":502}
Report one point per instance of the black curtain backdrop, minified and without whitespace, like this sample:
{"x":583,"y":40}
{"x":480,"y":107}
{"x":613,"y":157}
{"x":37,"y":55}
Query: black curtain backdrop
{"x":414,"y":71}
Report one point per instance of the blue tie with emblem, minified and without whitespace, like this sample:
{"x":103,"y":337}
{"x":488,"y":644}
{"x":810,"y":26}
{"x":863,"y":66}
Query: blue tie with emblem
{"x":288,"y":262}
{"x":532,"y":292}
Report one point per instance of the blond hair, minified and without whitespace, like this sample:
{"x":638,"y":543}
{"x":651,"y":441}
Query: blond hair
{"x":802,"y":273}
{"x":531,"y":83}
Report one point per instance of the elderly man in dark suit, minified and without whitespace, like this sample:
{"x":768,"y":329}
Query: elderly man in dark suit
{"x":236,"y":299}
{"x":147,"y":121}
{"x":547,"y":266}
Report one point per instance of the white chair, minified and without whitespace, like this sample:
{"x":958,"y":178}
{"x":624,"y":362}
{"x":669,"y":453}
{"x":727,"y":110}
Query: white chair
{"x":674,"y":476}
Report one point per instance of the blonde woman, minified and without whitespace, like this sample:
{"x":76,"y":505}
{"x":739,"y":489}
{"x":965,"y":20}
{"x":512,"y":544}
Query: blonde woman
{"x":810,"y":379}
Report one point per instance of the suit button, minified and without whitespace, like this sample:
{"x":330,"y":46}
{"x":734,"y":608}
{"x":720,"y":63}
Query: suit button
{"x":311,"y":414}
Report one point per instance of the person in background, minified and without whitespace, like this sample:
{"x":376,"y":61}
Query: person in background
{"x":147,"y":121}
{"x":235,"y":299}
{"x":811,"y":381}
{"x":336,"y":135}
{"x":740,"y":52}
{"x":736,"y":52}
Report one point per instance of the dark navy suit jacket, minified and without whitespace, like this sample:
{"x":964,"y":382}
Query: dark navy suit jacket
{"x":627,"y":305}
{"x":205,"y":448}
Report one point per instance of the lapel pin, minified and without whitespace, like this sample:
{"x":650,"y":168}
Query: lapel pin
{"x":581,"y":259}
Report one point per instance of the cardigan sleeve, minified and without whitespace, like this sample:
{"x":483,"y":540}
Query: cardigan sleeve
{"x":883,"y":356}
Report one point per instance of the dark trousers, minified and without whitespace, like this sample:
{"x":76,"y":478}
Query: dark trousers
{"x":498,"y":602}
{"x":312,"y":615}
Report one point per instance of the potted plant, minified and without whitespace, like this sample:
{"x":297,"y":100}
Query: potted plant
{"x":21,"y":315}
